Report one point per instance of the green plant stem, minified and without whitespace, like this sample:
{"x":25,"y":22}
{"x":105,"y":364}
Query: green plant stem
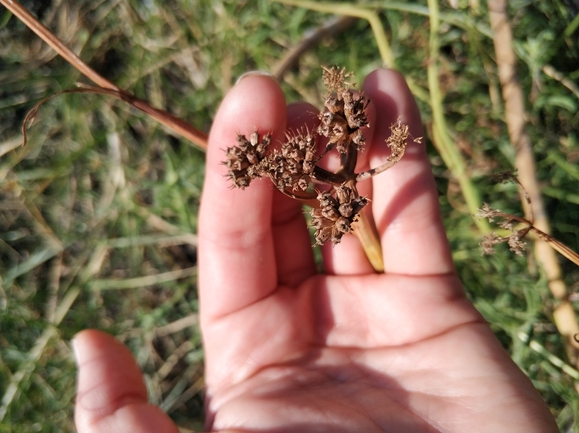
{"x":440,"y":135}
{"x":543,"y":351}
{"x":572,"y":27}
{"x":357,"y":11}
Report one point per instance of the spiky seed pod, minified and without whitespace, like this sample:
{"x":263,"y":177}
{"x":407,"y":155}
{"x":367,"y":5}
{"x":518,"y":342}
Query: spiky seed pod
{"x":355,"y":109}
{"x":346,"y":114}
{"x":335,"y":215}
{"x":294,"y":162}
{"x":244,"y":161}
{"x":334,"y":126}
{"x":334,"y":104}
{"x":352,"y":208}
{"x":355,"y":113}
{"x":398,"y":139}
{"x":342,"y":225}
{"x":345,"y":193}
{"x":325,"y":199}
{"x":331,"y":213}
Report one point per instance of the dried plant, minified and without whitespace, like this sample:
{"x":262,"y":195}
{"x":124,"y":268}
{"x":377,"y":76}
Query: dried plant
{"x":511,"y":222}
{"x":294,"y":166}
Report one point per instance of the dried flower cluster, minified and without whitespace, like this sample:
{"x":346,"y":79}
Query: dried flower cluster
{"x":508,"y":221}
{"x":245,"y":161}
{"x":505,"y":221}
{"x":335,"y":215}
{"x":293,"y":166}
{"x":514,"y":240}
{"x":346,"y":116}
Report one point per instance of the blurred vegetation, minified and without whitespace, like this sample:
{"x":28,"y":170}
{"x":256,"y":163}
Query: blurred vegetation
{"x":98,"y":212}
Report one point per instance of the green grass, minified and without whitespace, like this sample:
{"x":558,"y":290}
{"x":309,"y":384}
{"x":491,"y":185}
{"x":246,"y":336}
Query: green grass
{"x":96,"y":212}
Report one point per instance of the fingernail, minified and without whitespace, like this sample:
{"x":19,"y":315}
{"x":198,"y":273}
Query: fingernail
{"x":259,"y":73}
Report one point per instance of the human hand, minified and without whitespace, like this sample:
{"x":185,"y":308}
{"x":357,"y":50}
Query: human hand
{"x":288,"y":349}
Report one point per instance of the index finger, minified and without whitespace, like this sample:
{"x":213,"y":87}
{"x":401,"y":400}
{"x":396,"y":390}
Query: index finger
{"x":236,"y":250}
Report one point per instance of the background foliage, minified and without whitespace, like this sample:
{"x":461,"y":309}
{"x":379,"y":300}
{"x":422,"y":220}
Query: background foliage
{"x":98,"y":212}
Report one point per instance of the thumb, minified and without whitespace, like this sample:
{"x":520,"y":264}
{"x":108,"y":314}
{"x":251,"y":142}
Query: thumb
{"x":111,"y":393}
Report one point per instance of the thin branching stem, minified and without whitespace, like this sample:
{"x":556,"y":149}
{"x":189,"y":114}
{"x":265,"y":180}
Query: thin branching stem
{"x":441,"y":138}
{"x":105,"y":87}
{"x":47,"y":36}
{"x":530,"y":227}
{"x":390,"y":162}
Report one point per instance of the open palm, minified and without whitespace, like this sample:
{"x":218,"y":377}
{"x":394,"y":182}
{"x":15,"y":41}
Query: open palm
{"x":289,"y":349}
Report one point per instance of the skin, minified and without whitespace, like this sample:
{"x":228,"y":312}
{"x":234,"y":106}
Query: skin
{"x":288,"y":349}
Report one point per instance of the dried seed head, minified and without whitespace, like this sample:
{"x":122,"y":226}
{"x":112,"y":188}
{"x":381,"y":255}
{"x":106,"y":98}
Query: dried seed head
{"x":397,"y":142}
{"x":335,"y":79}
{"x":398,"y":139}
{"x":292,"y":166}
{"x":336,"y":214}
{"x":346,"y":112}
{"x":244,"y":161}
{"x":514,"y":240}
{"x":489,"y":241}
{"x":507,"y":224}
{"x":516,"y":244}
{"x":355,"y":109}
{"x":326,"y":199}
{"x":487,"y":212}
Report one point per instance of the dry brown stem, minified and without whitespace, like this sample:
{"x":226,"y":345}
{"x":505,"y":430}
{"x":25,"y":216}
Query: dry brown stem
{"x":515,"y":239}
{"x":104,"y":86}
{"x":47,"y":36}
{"x":563,"y":314}
{"x":330,"y":28}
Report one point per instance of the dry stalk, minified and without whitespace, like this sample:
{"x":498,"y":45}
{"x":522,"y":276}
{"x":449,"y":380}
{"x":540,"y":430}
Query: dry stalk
{"x":103,"y":85}
{"x":311,"y":39}
{"x":563,"y":315}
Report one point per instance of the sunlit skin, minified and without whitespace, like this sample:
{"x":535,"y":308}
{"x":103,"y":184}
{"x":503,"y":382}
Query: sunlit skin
{"x":288,"y":349}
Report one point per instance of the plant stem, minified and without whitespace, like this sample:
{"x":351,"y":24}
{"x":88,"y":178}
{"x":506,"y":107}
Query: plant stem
{"x":564,"y":316}
{"x":440,"y":135}
{"x":357,"y":11}
{"x":105,"y":87}
{"x":47,"y":36}
{"x":367,"y":233}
